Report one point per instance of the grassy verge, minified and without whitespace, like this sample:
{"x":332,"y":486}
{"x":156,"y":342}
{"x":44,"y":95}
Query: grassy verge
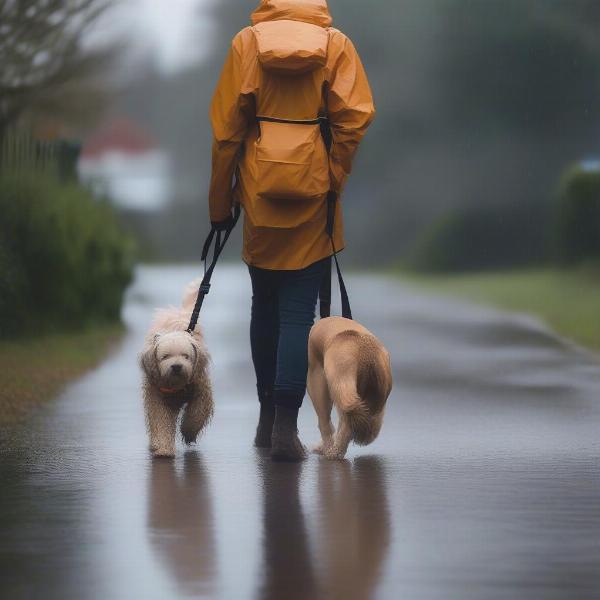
{"x":35,"y":369}
{"x":568,"y":301}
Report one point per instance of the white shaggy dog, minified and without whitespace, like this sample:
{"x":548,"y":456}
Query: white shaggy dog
{"x":175,"y":366}
{"x":349,"y":368}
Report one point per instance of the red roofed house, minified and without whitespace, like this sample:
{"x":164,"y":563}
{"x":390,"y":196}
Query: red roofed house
{"x":122,"y":161}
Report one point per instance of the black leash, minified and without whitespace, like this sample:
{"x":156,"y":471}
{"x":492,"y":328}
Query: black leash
{"x":220,"y":241}
{"x":325,"y":289}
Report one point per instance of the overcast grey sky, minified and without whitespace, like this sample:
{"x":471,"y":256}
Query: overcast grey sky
{"x":174,"y":32}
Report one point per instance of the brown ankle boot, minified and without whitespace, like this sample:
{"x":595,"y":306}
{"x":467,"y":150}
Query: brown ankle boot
{"x":264,"y":429}
{"x":285,"y":444}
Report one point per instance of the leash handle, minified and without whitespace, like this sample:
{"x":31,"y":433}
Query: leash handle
{"x":220,"y":241}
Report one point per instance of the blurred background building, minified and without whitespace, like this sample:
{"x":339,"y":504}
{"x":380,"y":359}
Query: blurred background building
{"x":123,"y":162}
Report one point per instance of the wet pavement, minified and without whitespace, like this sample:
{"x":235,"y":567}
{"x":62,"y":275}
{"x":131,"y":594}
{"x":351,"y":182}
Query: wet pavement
{"x":484,"y":483}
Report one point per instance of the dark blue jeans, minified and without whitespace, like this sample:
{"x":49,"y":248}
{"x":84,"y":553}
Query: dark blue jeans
{"x":283,"y":311}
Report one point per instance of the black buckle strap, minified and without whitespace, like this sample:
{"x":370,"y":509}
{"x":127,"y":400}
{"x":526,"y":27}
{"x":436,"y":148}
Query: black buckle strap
{"x":220,"y":241}
{"x":317,"y":121}
{"x":322,"y":121}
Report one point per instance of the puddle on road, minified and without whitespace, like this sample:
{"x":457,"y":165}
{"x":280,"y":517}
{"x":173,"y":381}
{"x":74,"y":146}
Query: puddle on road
{"x":472,"y":491}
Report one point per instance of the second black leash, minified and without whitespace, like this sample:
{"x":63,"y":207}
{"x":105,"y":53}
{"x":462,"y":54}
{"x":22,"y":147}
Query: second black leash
{"x":325,"y":289}
{"x":220,"y":241}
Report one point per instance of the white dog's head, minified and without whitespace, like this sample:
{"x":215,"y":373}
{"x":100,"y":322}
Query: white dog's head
{"x":170,"y":359}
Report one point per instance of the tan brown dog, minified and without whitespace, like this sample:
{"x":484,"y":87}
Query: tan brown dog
{"x":349,"y":368}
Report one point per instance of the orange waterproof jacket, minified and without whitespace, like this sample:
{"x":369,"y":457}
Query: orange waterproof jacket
{"x":291,"y":65}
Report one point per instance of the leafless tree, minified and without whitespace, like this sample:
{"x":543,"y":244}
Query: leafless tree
{"x":45,"y":67}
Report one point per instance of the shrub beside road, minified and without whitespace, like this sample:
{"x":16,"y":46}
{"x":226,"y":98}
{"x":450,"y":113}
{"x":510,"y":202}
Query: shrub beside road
{"x":546,"y":265}
{"x":65,"y":264}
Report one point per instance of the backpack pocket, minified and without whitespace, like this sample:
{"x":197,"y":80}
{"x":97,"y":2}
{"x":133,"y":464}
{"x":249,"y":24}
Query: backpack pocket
{"x":291,"y":161}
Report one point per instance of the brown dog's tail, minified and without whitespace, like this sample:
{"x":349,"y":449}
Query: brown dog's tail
{"x":341,"y":372}
{"x":364,"y":429}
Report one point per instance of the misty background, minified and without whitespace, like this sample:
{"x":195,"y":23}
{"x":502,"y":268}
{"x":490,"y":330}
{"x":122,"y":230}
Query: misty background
{"x":481,"y":106}
{"x":483,"y":109}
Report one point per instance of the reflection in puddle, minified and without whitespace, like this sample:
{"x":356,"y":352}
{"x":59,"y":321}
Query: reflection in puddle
{"x":180,"y":522}
{"x":287,"y":566}
{"x":354,"y":526}
{"x":342,"y":552}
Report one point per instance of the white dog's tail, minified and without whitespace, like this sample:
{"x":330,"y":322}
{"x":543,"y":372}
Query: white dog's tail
{"x":190,"y":294}
{"x":341,"y":372}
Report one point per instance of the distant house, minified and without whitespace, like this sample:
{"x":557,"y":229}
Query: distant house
{"x":590,"y":164}
{"x":122,"y":161}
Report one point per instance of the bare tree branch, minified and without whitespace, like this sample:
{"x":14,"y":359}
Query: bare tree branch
{"x":43,"y":60}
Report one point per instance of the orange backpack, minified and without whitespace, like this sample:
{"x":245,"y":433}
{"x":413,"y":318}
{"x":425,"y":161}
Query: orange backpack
{"x":292,"y":155}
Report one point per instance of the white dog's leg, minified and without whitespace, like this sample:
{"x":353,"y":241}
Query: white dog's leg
{"x":161,"y":420}
{"x":198,"y":413}
{"x":341,"y":440}
{"x":319,"y":394}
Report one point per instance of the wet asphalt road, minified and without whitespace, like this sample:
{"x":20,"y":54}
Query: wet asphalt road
{"x":484,"y":484}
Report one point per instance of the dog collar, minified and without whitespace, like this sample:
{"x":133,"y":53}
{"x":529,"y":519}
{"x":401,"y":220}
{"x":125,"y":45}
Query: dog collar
{"x":169,"y":391}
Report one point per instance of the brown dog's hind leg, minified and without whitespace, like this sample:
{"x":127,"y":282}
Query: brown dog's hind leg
{"x":326,"y":429}
{"x":341,"y":440}
{"x":319,"y":394}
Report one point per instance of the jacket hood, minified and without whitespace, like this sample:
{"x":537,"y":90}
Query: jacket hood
{"x":315,"y":12}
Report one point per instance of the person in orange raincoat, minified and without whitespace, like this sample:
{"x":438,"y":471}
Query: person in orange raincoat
{"x":283,"y":75}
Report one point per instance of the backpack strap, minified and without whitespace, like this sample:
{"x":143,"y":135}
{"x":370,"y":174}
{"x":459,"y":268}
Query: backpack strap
{"x":320,"y":120}
{"x":316,"y":121}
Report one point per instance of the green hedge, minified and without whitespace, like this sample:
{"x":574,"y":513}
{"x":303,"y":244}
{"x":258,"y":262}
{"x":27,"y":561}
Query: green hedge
{"x":64,"y":260}
{"x":577,"y":219}
{"x":483,"y":238}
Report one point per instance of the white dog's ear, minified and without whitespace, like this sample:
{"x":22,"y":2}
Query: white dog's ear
{"x":197,"y":352}
{"x":149,"y":361}
{"x":201,"y":357}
